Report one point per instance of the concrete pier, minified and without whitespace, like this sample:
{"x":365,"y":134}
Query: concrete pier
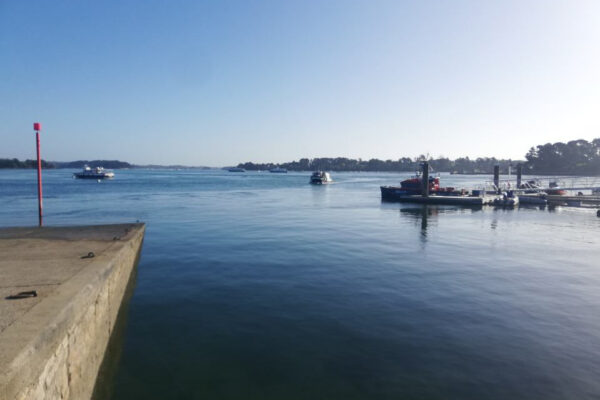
{"x":52,"y":344}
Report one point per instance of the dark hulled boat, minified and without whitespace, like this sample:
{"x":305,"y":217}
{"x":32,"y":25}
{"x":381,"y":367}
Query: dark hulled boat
{"x":414,"y":187}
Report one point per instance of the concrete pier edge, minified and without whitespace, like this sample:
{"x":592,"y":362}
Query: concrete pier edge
{"x":104,"y":384}
{"x":55,"y":348}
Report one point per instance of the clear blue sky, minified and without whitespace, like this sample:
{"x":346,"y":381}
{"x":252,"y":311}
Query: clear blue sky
{"x":221,"y":82}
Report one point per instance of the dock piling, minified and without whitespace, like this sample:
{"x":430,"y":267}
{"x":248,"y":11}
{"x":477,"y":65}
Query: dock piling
{"x":425,"y":180}
{"x":519,"y":175}
{"x":497,"y":177}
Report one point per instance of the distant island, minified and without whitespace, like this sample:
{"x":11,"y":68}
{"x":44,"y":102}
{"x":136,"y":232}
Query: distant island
{"x":15,"y":163}
{"x":108,"y":164}
{"x":577,"y":157}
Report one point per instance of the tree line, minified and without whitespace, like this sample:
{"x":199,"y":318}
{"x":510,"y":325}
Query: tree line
{"x":462,"y":165}
{"x":577,"y":157}
{"x":110,"y":164}
{"x":15,"y":163}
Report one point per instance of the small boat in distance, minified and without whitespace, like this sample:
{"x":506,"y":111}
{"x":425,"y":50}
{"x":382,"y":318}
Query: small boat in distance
{"x":236,"y":169}
{"x":508,"y":199}
{"x":278,"y":170}
{"x":555,"y":189}
{"x":320,"y":178}
{"x":94,"y":173}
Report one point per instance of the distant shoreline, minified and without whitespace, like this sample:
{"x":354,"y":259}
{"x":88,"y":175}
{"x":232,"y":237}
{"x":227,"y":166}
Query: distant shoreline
{"x":8,"y":163}
{"x":575,"y":158}
{"x":203,"y":168}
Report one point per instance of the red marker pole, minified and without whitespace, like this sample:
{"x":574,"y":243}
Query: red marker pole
{"x":37,"y":127}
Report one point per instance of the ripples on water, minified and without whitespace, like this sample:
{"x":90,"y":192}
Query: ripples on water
{"x":260,"y":286}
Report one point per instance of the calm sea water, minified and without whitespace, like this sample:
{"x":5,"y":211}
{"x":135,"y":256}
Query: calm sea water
{"x":260,"y":286}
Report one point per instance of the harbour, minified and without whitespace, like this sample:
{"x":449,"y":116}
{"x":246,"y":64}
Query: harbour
{"x":299,"y":200}
{"x":423,"y":189}
{"x":355,"y":297}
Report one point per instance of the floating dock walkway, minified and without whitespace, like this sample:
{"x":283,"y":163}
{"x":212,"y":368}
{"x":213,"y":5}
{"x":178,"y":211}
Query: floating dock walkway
{"x":449,"y":200}
{"x":61,"y":289}
{"x":578,"y":201}
{"x":423,"y":190}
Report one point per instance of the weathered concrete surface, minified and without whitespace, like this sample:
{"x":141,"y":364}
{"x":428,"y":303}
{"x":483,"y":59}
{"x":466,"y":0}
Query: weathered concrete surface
{"x":52,"y":345}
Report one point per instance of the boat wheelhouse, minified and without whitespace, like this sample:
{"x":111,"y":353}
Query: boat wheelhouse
{"x":94,"y":173}
{"x":320,"y":178}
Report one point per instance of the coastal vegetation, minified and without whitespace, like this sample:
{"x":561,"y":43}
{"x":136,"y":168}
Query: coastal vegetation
{"x":15,"y":163}
{"x":463,"y":165}
{"x":577,"y":157}
{"x":110,"y":164}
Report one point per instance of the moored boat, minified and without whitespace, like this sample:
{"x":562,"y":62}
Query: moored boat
{"x":506,"y":200}
{"x":414,"y":187}
{"x":555,"y":190}
{"x":278,"y":170}
{"x":535,"y":199}
{"x":94,"y":173}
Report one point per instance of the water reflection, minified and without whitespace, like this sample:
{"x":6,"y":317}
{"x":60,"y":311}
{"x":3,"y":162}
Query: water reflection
{"x":421,"y":214}
{"x":494,"y":224}
{"x":426,"y":216}
{"x":319,"y":194}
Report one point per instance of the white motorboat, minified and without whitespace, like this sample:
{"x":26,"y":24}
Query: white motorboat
{"x":506,"y":201}
{"x":320,"y":178}
{"x":94,"y":173}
